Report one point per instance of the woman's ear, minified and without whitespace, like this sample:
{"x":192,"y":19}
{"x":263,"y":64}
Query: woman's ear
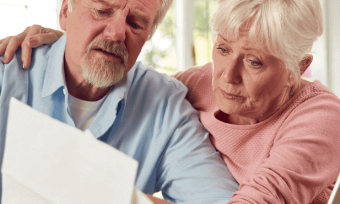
{"x":63,"y":15}
{"x":291,"y":80}
{"x":305,"y":63}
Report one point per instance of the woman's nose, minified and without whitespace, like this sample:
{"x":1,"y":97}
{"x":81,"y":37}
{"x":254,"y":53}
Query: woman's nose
{"x":232,"y":72}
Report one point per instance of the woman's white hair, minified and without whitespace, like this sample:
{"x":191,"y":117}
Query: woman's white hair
{"x":163,"y":8}
{"x":288,"y":28}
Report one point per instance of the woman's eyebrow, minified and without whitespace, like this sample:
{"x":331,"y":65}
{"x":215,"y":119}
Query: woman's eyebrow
{"x":250,"y":48}
{"x":225,"y":39}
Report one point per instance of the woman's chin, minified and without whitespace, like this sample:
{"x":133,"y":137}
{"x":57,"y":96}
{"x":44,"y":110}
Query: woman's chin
{"x":229,"y":106}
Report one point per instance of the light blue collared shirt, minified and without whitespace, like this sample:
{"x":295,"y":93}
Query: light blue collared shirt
{"x":145,"y":116}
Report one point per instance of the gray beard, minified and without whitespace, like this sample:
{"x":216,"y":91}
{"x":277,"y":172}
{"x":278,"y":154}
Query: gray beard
{"x":102,"y":73}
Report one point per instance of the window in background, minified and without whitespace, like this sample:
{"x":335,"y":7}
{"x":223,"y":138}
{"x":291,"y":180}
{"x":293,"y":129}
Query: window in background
{"x":318,"y":68}
{"x":16,"y":15}
{"x":203,"y":12}
{"x":160,"y":51}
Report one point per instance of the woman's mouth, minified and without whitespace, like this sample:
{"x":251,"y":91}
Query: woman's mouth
{"x":230,"y":96}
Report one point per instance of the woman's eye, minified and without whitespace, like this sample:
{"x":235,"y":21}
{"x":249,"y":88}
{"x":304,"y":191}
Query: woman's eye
{"x":224,"y":51}
{"x":254,"y":63}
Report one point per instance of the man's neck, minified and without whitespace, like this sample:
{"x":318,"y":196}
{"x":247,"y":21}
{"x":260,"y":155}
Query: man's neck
{"x":81,"y":89}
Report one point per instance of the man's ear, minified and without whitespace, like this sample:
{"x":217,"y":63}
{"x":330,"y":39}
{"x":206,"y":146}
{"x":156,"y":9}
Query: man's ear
{"x":63,"y":15}
{"x":305,"y":63}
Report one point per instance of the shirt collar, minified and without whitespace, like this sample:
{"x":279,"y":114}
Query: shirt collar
{"x":54,"y":71}
{"x":129,"y":79}
{"x":121,"y":89}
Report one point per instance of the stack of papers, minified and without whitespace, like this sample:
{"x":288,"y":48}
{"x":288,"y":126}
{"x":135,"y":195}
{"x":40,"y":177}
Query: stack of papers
{"x":47,"y":161}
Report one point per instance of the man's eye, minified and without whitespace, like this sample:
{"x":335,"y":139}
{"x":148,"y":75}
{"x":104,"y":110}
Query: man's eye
{"x":101,"y":12}
{"x":223,"y":51}
{"x":134,"y":25}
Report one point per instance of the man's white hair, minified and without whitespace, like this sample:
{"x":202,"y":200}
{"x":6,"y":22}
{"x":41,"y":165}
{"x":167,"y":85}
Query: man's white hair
{"x":163,"y":8}
{"x":288,"y":28}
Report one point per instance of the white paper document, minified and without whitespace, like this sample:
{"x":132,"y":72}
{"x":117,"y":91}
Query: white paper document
{"x":47,"y":161}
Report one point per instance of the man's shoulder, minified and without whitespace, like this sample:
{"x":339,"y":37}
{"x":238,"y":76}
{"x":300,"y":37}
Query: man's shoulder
{"x":14,"y":77}
{"x":48,"y":55}
{"x":13,"y":68}
{"x":14,"y":63}
{"x":39,"y":55}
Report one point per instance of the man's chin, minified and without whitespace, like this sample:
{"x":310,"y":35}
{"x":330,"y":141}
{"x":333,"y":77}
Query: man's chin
{"x":102,"y":73}
{"x":103,"y":77}
{"x":103,"y":85}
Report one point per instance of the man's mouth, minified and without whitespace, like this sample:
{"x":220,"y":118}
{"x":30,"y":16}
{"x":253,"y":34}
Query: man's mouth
{"x":102,"y":50}
{"x":110,"y":54}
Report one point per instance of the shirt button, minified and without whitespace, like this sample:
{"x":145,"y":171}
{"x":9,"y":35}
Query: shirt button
{"x":64,"y":91}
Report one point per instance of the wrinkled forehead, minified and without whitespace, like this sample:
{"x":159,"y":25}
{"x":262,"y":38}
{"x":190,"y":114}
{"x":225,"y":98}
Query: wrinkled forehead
{"x":244,"y":39}
{"x":143,"y":5}
{"x":247,"y":29}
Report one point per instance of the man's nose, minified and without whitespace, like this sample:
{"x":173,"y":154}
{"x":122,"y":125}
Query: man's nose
{"x":232,"y":72}
{"x":116,"y":29}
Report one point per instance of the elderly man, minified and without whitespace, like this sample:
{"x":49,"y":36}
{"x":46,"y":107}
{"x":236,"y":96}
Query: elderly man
{"x":90,"y":79}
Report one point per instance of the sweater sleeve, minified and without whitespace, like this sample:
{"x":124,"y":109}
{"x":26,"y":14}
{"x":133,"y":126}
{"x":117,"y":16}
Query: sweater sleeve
{"x":304,"y":159}
{"x":195,"y":80}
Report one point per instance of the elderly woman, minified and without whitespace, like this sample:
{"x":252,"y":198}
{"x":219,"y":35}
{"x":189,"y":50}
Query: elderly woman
{"x":277,"y":133}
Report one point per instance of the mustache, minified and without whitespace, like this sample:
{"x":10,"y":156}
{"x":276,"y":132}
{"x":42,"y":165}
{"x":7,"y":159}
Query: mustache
{"x":112,"y":47}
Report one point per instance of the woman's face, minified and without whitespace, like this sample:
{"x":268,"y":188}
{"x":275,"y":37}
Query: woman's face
{"x":248,"y":83}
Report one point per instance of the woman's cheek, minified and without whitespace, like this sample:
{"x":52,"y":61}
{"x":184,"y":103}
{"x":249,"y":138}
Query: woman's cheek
{"x":217,"y":69}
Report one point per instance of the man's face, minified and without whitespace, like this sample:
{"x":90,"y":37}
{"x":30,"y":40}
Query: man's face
{"x":105,"y":37}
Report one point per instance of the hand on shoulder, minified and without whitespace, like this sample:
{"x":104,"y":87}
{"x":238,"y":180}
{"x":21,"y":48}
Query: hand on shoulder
{"x":30,"y":38}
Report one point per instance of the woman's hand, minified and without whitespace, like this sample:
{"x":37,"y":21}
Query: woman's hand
{"x":31,"y":37}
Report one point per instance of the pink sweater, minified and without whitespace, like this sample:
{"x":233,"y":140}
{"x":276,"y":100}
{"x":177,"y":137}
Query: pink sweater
{"x":291,"y":157}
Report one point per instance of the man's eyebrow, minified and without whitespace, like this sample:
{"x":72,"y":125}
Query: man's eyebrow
{"x":139,"y":15}
{"x":105,"y":2}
